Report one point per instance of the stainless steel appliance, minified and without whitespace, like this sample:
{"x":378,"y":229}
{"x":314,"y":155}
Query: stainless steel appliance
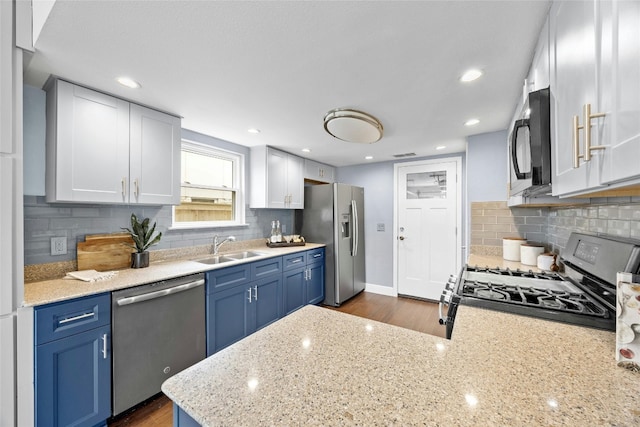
{"x":585,"y":295}
{"x":334,"y":215}
{"x":530,"y":147}
{"x":157,"y":331}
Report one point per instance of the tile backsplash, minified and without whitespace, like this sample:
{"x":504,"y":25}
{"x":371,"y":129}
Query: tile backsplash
{"x":491,"y":221}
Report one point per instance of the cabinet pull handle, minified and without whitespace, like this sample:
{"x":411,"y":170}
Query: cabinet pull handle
{"x":317,"y":255}
{"x":297,"y":260}
{"x":249,"y":295}
{"x":309,"y":274}
{"x":576,"y":142}
{"x":136,"y":187}
{"x":104,"y":346}
{"x":255,"y":292}
{"x":587,"y":132}
{"x":74,"y":318}
{"x":124,"y":187}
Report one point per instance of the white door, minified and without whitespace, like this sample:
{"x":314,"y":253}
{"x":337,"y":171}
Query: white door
{"x":428,"y":215}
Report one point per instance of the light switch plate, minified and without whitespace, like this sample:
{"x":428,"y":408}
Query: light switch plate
{"x":380,"y":226}
{"x":58,"y":245}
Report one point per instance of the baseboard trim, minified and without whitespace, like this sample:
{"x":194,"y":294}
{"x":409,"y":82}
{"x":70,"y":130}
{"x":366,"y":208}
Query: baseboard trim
{"x":382,"y":290}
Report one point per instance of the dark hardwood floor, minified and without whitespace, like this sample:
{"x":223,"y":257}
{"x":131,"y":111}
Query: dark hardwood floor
{"x":421,"y":316}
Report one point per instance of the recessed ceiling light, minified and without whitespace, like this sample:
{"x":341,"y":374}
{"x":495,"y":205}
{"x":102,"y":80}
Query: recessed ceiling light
{"x":368,"y":157}
{"x":128,"y":82}
{"x":441,"y":147}
{"x":472,"y":122}
{"x":306,"y":150}
{"x":253,"y":130}
{"x":471,"y":75}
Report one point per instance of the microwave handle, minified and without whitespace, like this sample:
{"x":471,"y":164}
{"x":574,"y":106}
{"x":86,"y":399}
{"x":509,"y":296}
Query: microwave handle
{"x":514,"y":157}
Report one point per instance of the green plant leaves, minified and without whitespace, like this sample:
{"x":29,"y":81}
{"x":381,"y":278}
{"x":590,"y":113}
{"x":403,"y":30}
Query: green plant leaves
{"x":141,"y":234}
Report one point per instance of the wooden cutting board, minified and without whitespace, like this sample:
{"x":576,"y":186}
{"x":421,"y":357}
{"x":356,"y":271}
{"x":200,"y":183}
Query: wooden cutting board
{"x":104,"y":252}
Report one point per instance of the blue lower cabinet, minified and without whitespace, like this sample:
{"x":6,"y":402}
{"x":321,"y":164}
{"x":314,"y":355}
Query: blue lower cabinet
{"x":242,"y":299}
{"x":182,"y":419}
{"x":315,"y":283}
{"x":233,"y":312}
{"x":294,"y":283}
{"x":267,"y":302}
{"x":73,"y":362}
{"x":227,"y":317}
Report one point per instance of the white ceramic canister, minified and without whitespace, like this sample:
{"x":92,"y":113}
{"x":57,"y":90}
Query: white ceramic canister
{"x":545,"y":260}
{"x":529,"y":253}
{"x":511,"y":248}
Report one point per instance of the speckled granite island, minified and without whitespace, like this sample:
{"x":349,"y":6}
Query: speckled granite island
{"x":322,"y":367}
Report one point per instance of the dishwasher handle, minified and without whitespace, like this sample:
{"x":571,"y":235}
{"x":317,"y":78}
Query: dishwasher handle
{"x":159,"y":294}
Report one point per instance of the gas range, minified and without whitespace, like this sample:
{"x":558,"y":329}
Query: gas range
{"x":585,"y":295}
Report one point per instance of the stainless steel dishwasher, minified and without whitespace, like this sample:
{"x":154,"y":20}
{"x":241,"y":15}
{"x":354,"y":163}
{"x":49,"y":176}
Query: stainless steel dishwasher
{"x":157,"y":331}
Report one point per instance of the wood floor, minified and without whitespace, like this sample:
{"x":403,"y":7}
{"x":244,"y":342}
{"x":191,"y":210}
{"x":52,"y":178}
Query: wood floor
{"x":408,"y":313}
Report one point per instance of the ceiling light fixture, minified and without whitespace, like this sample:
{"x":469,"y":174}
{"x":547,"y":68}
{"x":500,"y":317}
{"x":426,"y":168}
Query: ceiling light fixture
{"x":253,"y":130}
{"x":441,"y":147}
{"x":128,"y":82}
{"x":353,"y":126}
{"x":471,"y":75}
{"x":368,"y":157}
{"x":471,"y":122}
{"x":306,"y":150}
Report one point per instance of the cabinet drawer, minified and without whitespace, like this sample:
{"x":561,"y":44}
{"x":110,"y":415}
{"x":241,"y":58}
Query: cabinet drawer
{"x":265,"y":268}
{"x":295,"y":260}
{"x":224,"y":278}
{"x":315,"y":255}
{"x":63,"y":319}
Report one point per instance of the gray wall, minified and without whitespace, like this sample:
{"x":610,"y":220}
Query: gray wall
{"x":45,"y":220}
{"x":487,"y":172}
{"x":377,"y":181}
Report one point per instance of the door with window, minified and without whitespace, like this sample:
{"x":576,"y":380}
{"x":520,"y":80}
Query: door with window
{"x":428,"y":219}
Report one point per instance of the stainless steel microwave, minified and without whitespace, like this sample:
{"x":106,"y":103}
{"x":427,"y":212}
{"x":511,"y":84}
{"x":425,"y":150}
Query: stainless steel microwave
{"x":530,"y":147}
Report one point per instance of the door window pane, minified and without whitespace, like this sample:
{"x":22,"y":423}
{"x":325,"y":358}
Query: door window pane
{"x":427,"y":185}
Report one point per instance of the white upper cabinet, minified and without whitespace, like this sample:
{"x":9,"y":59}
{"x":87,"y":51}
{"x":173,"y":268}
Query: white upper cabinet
{"x":277,"y":179}
{"x":101,"y":149}
{"x":624,"y":72}
{"x":539,"y":73}
{"x":595,"y":97}
{"x":319,"y":171}
{"x":154,"y":148}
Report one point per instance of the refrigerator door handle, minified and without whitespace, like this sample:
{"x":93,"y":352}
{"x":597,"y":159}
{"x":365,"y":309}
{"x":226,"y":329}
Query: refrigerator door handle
{"x":354,"y":208}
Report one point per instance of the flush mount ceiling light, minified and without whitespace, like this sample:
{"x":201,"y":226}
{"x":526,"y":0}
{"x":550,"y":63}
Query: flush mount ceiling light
{"x":471,"y":75}
{"x":471,"y":122}
{"x":253,"y":130}
{"x":353,"y":126}
{"x":128,"y":82}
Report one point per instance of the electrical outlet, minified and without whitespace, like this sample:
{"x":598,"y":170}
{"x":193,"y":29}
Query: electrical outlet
{"x":58,"y":245}
{"x":381,"y":226}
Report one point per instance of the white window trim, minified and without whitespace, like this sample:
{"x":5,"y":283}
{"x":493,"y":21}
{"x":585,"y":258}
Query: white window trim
{"x":239,"y":207}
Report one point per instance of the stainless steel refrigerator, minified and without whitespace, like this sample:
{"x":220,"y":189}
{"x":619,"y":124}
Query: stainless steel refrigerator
{"x":334,"y":215}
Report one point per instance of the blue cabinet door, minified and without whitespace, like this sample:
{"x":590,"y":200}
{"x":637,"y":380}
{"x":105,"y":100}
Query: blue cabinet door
{"x":73,"y":380}
{"x":227,"y":317}
{"x":315,"y":283}
{"x":267,"y":301}
{"x":293,"y":282}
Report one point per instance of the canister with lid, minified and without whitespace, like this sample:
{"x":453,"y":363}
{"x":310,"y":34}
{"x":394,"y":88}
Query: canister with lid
{"x":511,"y":248}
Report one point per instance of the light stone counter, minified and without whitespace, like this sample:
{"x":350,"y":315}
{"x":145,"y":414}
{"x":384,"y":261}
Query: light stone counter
{"x":48,"y":291}
{"x":322,"y":367}
{"x":498,"y":261}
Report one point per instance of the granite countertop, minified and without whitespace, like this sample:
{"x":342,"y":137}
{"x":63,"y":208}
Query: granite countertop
{"x":323,"y":367}
{"x":48,"y":291}
{"x":498,"y":261}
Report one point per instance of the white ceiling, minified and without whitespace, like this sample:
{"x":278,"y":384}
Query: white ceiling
{"x":280,"y":66}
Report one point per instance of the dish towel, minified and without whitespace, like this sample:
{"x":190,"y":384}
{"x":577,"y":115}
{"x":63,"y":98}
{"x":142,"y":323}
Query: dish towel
{"x":91,"y":275}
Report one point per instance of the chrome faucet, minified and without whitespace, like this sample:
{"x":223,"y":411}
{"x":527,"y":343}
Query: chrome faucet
{"x":216,"y":244}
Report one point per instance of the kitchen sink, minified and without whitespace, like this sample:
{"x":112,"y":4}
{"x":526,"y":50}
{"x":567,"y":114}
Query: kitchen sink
{"x":242,"y":255}
{"x":216,"y":260}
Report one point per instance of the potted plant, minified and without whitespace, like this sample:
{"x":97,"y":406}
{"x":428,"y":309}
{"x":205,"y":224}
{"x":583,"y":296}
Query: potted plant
{"x":142,"y":237}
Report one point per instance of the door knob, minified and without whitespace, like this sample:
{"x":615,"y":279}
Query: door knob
{"x":401,"y":237}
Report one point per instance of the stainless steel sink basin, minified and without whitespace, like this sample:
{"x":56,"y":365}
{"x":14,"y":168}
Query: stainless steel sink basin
{"x":215,"y":260}
{"x":242,"y":255}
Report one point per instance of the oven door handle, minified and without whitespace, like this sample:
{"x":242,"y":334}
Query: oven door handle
{"x":441,"y":319}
